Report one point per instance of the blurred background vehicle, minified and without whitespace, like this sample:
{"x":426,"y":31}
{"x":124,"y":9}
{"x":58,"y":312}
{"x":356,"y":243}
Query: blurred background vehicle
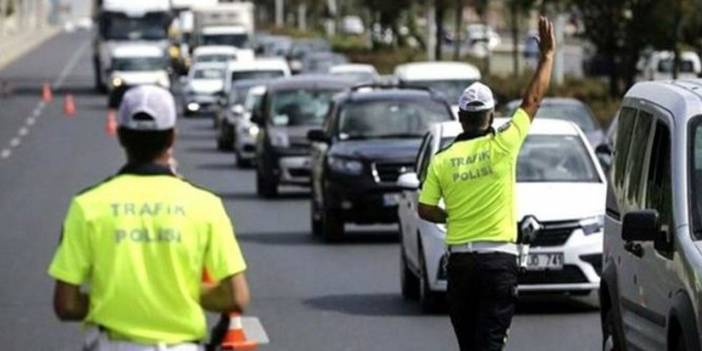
{"x":658,"y":65}
{"x":447,"y":78}
{"x":303,"y":47}
{"x":559,"y":182}
{"x":203,"y":87}
{"x":481,"y":39}
{"x":291,"y":107}
{"x":361,"y":73}
{"x":568,"y":109}
{"x":220,"y":54}
{"x":235,"y":111}
{"x":230,"y":24}
{"x":137,"y":64}
{"x":273,"y":45}
{"x":246,"y":132}
{"x":321,"y":62}
{"x":352,"y":25}
{"x":371,"y":137}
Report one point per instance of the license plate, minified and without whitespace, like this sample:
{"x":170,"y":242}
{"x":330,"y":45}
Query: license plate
{"x":391,"y":199}
{"x":545,"y":261}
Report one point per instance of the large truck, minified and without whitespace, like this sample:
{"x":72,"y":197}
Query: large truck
{"x":230,"y":24}
{"x":121,"y":22}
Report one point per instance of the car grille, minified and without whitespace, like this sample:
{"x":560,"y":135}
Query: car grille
{"x":595,"y":260}
{"x":299,"y":172}
{"x":554,"y":233}
{"x":570,"y":274}
{"x":390,"y":172}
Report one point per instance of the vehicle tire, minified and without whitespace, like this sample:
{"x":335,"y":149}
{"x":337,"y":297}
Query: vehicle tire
{"x":240,"y":161}
{"x":428,"y":299}
{"x":408,"y":280}
{"x":611,"y":340}
{"x":332,"y":225}
{"x":265,"y":187}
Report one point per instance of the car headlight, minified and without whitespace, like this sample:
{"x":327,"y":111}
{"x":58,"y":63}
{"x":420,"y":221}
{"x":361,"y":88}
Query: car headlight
{"x":252,"y":130}
{"x":346,"y":166}
{"x":279,"y":139}
{"x":592,"y":225}
{"x":117,"y":82}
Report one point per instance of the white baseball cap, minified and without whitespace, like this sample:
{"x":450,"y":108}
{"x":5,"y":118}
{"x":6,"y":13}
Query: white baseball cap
{"x":142,"y":102}
{"x":477,"y":97}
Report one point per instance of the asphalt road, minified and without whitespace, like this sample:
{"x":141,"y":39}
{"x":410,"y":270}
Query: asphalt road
{"x":309,"y":295}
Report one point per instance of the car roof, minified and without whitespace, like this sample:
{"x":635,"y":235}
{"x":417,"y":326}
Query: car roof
{"x":391,"y":93}
{"x":311,"y":81}
{"x":540,"y":126}
{"x":137,"y":50}
{"x":352,"y":67}
{"x":436,"y":70}
{"x":214,"y":49}
{"x":682,"y":98}
{"x":215,"y":30}
{"x":259,"y":64}
{"x":250,"y":82}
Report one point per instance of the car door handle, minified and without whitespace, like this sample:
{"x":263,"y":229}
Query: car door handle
{"x":634,"y":248}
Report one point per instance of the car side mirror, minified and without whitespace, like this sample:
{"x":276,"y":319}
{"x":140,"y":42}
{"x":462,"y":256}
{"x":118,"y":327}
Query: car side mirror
{"x":642,"y":225}
{"x":317,"y":135}
{"x":408,"y":181}
{"x":604,"y":156}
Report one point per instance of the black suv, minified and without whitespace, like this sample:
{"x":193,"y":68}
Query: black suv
{"x":372,"y":136}
{"x":289,"y":109}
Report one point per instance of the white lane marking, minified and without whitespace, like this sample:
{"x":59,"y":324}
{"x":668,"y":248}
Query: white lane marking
{"x":70,"y":65}
{"x":23,"y":131}
{"x":6,"y":153}
{"x":31,"y":120}
{"x":15,"y":142}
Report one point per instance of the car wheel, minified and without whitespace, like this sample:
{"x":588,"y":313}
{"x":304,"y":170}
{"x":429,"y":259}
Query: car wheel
{"x":428,"y":299}
{"x":265,"y":187}
{"x":240,"y":161}
{"x":611,"y":340}
{"x":409,"y":281}
{"x":332,"y":225}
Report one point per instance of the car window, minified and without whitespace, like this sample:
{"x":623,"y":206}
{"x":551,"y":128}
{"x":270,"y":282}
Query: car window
{"x":640,"y":138}
{"x":257,"y":74}
{"x":555,"y":158}
{"x":209,"y":73}
{"x":572,"y":112}
{"x":253,"y":102}
{"x":390,"y":118}
{"x":658,"y":185}
{"x":301,"y":107}
{"x":451,"y":89}
{"x":238,"y":94}
{"x":214,"y":58}
{"x":425,"y":157}
{"x":666,"y":66}
{"x":625,"y":126}
{"x":695,"y":175}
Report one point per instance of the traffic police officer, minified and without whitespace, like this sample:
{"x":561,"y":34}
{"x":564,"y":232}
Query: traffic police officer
{"x":142,"y":240}
{"x":476,"y":177}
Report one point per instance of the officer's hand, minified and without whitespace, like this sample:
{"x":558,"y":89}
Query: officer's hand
{"x":547,"y":37}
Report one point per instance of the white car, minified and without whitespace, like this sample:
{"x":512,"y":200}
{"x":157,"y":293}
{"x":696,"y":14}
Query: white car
{"x":363,"y":73}
{"x":204,"y":86}
{"x":139,"y":64}
{"x":481,"y":39}
{"x":220,"y":54}
{"x":247,"y":131}
{"x":261,"y":68}
{"x":658,"y":65}
{"x":448,"y":78}
{"x":559,"y":182}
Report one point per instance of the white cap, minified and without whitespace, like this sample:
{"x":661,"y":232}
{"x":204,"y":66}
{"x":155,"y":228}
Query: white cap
{"x":156,"y":102}
{"x":477,"y":97}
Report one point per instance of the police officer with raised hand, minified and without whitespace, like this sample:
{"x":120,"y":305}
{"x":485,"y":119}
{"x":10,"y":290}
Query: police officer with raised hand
{"x":142,"y":240}
{"x":476,"y":178}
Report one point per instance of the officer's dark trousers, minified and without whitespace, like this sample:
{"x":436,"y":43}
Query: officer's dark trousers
{"x":482,"y":293}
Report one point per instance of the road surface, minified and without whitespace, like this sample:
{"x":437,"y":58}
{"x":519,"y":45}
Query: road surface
{"x":309,"y":295}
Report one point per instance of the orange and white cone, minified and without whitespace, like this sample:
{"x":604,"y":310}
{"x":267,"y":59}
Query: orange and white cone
{"x":111,"y":124}
{"x":69,"y":106}
{"x":46,"y":94}
{"x":235,"y":339}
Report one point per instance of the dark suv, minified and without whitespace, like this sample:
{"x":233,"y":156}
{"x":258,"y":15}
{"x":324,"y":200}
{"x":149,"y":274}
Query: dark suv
{"x":372,"y":136}
{"x":289,"y":109}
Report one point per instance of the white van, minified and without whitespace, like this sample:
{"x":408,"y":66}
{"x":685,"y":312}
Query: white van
{"x":263,"y":68}
{"x":138,"y":64}
{"x":448,"y":78}
{"x":658,"y":65}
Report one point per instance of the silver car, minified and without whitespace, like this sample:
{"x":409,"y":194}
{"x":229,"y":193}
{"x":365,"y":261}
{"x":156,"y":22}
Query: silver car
{"x":651,"y":284}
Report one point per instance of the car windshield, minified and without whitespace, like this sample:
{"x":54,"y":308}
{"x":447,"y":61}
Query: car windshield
{"x":237,"y":40}
{"x":214,"y":58}
{"x":552,"y":158}
{"x":666,"y":66}
{"x":257,"y":74}
{"x":301,"y":107}
{"x":253,"y":102}
{"x":121,"y":27}
{"x":450,"y":89}
{"x":133,"y":64}
{"x":390,"y":118}
{"x":322,"y":63}
{"x":238,"y":94}
{"x":571,"y":112}
{"x":358,"y":76}
{"x":209,"y":73}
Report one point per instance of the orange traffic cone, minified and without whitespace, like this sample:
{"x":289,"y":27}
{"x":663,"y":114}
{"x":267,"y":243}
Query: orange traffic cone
{"x":46,"y":94}
{"x":111,"y":124}
{"x":69,"y":106}
{"x":235,"y":339}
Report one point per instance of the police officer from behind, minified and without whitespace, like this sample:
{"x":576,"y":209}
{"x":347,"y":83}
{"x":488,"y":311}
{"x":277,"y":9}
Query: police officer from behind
{"x":476,"y":177}
{"x":142,"y":240}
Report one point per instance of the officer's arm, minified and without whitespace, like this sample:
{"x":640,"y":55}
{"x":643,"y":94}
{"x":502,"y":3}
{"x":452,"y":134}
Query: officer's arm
{"x":542,"y":77}
{"x":434,"y":214}
{"x":70,"y":304}
{"x":230,"y":295}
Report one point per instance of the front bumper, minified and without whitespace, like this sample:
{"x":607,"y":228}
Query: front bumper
{"x":580,"y":273}
{"x":245,"y":142}
{"x":294,"y":170}
{"x":196,"y":104}
{"x":361,"y":200}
